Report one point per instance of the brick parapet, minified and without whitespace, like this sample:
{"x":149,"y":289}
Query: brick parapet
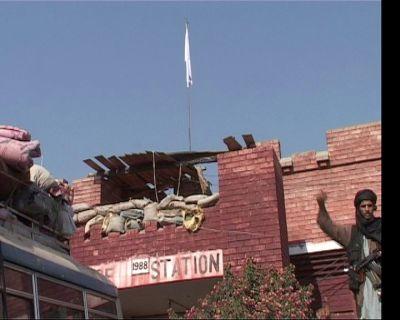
{"x":354,"y":164}
{"x":355,"y":144}
{"x":344,"y":146}
{"x":245,"y":223}
{"x":96,"y":190}
{"x":88,"y":190}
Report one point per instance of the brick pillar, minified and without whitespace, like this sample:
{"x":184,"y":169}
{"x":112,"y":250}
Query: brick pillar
{"x":252,"y":205}
{"x":95,"y":190}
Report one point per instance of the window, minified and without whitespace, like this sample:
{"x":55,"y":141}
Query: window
{"x":19,"y":294}
{"x":59,"y":292}
{"x":56,"y":299}
{"x":19,"y":307}
{"x":18,"y":280}
{"x":101,"y":304}
{"x":54,"y":311}
{"x":59,"y":301}
{"x":97,"y":316}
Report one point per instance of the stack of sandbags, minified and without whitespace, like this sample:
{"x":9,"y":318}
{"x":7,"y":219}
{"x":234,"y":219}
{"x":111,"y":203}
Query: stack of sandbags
{"x":17,"y":149}
{"x":116,"y":217}
{"x":202,"y":200}
{"x":132,"y":214}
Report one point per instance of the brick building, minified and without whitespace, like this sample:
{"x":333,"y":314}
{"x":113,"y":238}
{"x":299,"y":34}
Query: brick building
{"x":266,"y":210}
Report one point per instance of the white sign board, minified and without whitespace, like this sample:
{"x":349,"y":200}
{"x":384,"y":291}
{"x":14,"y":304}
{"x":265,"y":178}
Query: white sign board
{"x":143,"y":270}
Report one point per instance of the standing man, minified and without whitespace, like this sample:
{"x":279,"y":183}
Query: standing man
{"x":362,"y":242}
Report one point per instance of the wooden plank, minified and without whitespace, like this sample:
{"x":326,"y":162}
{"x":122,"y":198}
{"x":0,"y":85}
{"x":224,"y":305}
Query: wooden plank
{"x":117,"y":163}
{"x":104,"y":161}
{"x":126,"y":159}
{"x":232,"y":144}
{"x":201,"y":160}
{"x":163,"y":157}
{"x":249,"y":140}
{"x":93,"y":165}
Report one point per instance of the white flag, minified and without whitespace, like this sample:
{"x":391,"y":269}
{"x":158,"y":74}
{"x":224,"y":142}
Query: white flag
{"x":189,"y":81}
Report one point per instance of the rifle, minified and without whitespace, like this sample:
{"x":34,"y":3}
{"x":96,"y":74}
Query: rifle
{"x":357,"y":274}
{"x":367,"y":260}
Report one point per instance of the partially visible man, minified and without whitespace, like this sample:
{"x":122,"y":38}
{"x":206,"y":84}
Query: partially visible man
{"x":363,"y":244}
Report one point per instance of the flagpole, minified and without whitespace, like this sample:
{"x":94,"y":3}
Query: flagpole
{"x":190,"y":120}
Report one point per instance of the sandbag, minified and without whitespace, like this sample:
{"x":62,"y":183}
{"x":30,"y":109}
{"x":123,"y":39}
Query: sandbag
{"x":113,"y":223}
{"x":181,"y":205}
{"x":14,"y":133}
{"x":209,"y":201}
{"x":95,"y":220}
{"x":164,"y":202}
{"x":81,"y":207}
{"x":85,"y":216}
{"x":133,"y":224}
{"x":132,"y":214}
{"x":171,"y":213}
{"x":42,"y":177}
{"x":165,"y":220}
{"x":118,"y":207}
{"x":192,"y":220}
{"x":195,"y":198}
{"x":140,"y":203}
{"x":150,"y":212}
{"x":103,"y":210}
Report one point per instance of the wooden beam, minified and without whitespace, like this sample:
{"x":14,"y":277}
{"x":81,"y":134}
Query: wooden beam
{"x":117,"y":163}
{"x":105,"y":162}
{"x":249,"y":140}
{"x":93,"y":165}
{"x":232,"y":144}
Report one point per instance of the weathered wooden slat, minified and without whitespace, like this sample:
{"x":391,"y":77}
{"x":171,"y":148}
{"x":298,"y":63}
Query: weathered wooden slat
{"x":93,"y":165}
{"x":189,"y":156}
{"x":105,"y":162}
{"x":232,"y":144}
{"x":161,"y":156}
{"x":132,"y":180}
{"x":201,"y":160}
{"x":249,"y":140}
{"x":127,"y":159}
{"x":117,"y":163}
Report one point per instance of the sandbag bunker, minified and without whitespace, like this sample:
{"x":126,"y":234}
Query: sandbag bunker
{"x":131,"y":214}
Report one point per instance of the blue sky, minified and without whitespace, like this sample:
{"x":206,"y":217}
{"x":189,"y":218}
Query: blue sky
{"x":91,"y":78}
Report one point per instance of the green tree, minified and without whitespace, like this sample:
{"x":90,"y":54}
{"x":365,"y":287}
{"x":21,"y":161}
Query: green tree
{"x":257,"y":293}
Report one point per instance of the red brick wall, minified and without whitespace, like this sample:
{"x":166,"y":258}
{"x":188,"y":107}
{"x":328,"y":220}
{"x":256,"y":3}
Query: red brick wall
{"x":88,"y":190}
{"x":260,"y":211}
{"x":354,"y":164}
{"x":96,"y":190}
{"x":247,"y":220}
